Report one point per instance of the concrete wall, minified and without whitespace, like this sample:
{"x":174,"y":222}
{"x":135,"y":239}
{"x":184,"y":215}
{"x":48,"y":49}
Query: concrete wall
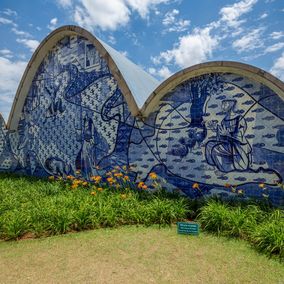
{"x":214,"y":129}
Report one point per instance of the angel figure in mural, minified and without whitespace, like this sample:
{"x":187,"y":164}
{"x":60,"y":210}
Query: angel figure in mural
{"x":230,"y":151}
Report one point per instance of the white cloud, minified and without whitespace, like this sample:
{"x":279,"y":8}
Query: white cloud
{"x":32,"y":44}
{"x":277,"y":35}
{"x":143,"y":6}
{"x":249,"y":42}
{"x":199,"y":45}
{"x":163,"y":72}
{"x":278,"y":67}
{"x":191,"y":49}
{"x":65,"y":3}
{"x":263,"y":16}
{"x":52,"y":24}
{"x":170,"y":17}
{"x":108,"y":15}
{"x":6,"y":53}
{"x":53,"y":21}
{"x":5,"y":21}
{"x":10,"y":75}
{"x":20,"y":33}
{"x":111,"y":39}
{"x":274,"y":47}
{"x":9,"y":12}
{"x":232,"y":14}
{"x":173,"y":24}
{"x":180,"y":26}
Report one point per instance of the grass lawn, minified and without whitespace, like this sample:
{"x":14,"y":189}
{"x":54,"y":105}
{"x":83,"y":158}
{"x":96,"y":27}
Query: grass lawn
{"x":133,"y":254}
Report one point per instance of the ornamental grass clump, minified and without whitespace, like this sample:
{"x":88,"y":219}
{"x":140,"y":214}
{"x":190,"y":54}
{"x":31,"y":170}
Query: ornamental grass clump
{"x":263,"y":229}
{"x":37,"y":207}
{"x":268,"y":236}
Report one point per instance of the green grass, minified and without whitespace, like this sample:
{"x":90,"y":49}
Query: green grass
{"x":133,"y":254}
{"x":42,"y":208}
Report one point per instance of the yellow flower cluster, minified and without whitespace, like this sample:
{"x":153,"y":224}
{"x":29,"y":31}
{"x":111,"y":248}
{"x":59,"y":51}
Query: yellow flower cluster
{"x":96,"y":179}
{"x":153,"y":175}
{"x":142,"y":185}
{"x":195,"y":186}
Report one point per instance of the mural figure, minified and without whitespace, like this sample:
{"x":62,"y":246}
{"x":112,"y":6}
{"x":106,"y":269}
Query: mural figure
{"x":231,"y":150}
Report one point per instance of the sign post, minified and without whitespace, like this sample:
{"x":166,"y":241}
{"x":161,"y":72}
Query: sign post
{"x":188,"y":228}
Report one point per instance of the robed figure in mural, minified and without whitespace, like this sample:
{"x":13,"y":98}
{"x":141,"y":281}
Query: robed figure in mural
{"x":231,"y":150}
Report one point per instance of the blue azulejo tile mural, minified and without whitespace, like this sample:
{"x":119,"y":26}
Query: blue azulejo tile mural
{"x":214,"y":130}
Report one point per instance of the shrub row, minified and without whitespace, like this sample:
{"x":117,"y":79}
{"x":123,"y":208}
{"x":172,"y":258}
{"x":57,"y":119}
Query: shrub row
{"x":263,"y":229}
{"x":43,"y":208}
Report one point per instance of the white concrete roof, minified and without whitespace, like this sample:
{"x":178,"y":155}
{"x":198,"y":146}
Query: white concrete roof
{"x":140,"y":83}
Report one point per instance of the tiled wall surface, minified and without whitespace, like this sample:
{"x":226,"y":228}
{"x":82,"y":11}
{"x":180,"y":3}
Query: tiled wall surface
{"x":216,"y":129}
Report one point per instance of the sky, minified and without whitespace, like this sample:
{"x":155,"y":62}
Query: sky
{"x":161,"y":36}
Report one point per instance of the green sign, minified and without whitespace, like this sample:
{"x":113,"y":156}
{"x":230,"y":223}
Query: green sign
{"x":188,"y":228}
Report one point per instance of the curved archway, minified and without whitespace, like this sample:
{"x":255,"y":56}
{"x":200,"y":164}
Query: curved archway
{"x":47,"y":44}
{"x":243,"y":69}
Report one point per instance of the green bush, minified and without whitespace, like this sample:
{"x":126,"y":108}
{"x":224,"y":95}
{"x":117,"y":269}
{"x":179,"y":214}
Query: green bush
{"x":43,"y":208}
{"x":263,"y":229}
{"x":268,"y":236}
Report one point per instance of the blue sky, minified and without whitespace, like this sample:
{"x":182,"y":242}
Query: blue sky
{"x":162,"y":36}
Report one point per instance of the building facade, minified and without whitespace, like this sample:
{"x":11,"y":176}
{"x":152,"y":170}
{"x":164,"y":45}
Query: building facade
{"x":82,"y":105}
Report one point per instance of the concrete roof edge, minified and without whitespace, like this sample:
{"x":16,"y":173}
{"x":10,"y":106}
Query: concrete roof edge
{"x":42,"y":50}
{"x":243,"y":69}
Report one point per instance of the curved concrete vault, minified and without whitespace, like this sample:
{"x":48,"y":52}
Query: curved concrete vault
{"x":214,"y":123}
{"x":141,"y":91}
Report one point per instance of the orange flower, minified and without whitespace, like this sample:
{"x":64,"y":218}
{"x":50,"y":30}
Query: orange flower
{"x":110,"y":180}
{"x":118,"y":174}
{"x":74,"y":185}
{"x":140,"y":184}
{"x":227,"y":185}
{"x":195,"y":185}
{"x":126,"y":178}
{"x":153,"y":175}
{"x":100,"y":189}
{"x":144,"y":186}
{"x":85,"y":183}
{"x":70,"y":177}
{"x":77,"y":181}
{"x":93,"y":193}
{"x":262,"y":185}
{"x":96,"y":179}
